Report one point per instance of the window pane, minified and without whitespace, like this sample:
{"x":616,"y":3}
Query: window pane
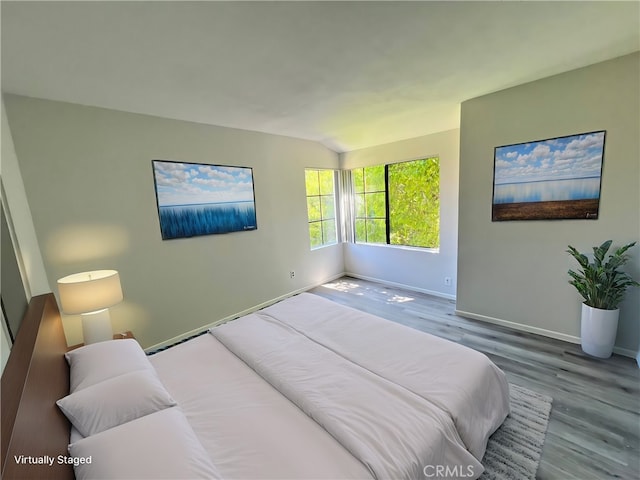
{"x":329,"y":231}
{"x":328,"y":207}
{"x":375,"y":205}
{"x":358,"y":180}
{"x":376,"y":231}
{"x":374,"y":178}
{"x":326,"y":182}
{"x":360,"y":210}
{"x":313,"y":209}
{"x":315,"y":233}
{"x":414,"y":203}
{"x":311,"y":182}
{"x":361,"y":230}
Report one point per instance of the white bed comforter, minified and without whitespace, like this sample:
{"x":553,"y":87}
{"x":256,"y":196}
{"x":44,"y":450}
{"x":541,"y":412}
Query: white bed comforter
{"x":384,"y":391}
{"x":461,"y":381}
{"x":250,"y":430}
{"x":393,"y":432}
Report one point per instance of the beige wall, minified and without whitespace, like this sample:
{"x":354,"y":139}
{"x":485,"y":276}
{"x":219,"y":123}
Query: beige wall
{"x":27,"y":249}
{"x":88,"y":179}
{"x":5,"y":348}
{"x":418,"y":269}
{"x":517,"y":271}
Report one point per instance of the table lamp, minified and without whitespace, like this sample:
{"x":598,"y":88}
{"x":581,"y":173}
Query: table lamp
{"x":91,"y":294}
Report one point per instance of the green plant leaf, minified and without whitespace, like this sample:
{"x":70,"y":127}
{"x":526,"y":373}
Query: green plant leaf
{"x":600,"y":252}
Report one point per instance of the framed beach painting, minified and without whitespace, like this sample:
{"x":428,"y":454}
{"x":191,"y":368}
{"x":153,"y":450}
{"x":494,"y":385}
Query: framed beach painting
{"x":202,"y":199}
{"x":557,"y":178}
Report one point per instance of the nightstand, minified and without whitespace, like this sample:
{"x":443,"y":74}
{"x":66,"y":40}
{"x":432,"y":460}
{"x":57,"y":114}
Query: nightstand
{"x":123,"y":335}
{"x":116,"y":336}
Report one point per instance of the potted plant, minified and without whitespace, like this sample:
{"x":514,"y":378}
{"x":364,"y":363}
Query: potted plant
{"x":602,"y":284}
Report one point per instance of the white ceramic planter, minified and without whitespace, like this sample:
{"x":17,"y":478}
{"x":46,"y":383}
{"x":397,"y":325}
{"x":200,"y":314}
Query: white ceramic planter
{"x":598,"y":331}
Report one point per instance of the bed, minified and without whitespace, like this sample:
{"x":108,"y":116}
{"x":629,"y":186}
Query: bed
{"x":305,"y":388}
{"x":35,"y":376}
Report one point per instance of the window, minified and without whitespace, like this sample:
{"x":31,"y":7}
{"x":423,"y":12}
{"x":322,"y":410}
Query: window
{"x":321,"y":207}
{"x":398,"y":203}
{"x":370,"y":204}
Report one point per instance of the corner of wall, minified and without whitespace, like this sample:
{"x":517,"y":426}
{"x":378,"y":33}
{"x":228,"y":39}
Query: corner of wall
{"x":17,"y":208}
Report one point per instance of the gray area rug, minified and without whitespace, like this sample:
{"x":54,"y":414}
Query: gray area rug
{"x":514,"y":450}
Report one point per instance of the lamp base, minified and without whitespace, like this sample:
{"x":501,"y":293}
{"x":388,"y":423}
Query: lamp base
{"x":96,"y":326}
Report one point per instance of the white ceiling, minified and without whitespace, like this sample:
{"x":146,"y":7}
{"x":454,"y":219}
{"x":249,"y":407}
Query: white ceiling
{"x":346,"y":74}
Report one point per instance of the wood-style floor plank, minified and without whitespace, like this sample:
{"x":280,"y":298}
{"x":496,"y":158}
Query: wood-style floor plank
{"x":594,"y":429}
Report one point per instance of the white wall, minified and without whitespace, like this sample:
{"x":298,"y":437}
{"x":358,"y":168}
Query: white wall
{"x":87,"y":174}
{"x":418,"y":269}
{"x":517,"y":271}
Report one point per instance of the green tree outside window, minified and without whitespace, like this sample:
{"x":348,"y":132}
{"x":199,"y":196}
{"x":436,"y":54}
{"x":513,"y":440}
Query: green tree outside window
{"x":399,"y":203}
{"x":321,"y":210}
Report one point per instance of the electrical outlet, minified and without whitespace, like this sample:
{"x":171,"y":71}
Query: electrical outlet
{"x":447,"y":281}
{"x":292,"y":274}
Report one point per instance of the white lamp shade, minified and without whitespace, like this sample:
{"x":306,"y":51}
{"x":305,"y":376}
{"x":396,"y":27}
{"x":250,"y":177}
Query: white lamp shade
{"x":89,"y":291}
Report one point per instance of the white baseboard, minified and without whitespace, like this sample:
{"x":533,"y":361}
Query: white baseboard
{"x":401,"y":285}
{"x":520,"y":327}
{"x":247,"y":311}
{"x":627,"y":353}
{"x":539,"y":331}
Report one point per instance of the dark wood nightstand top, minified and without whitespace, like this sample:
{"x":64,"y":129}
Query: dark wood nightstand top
{"x":123,"y":335}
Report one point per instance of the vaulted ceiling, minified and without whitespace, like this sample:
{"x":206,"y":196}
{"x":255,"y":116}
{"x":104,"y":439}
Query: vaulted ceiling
{"x":346,"y":74}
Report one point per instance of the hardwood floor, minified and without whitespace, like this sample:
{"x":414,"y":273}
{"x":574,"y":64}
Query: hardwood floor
{"x":594,"y":429}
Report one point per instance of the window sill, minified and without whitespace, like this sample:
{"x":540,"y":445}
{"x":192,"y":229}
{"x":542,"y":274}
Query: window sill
{"x":434,"y":251}
{"x":320,"y":247}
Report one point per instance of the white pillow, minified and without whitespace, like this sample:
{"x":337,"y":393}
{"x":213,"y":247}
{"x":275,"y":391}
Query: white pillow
{"x":75,"y":435}
{"x":94,"y":363}
{"x":160,"y":445}
{"x":115,"y":401}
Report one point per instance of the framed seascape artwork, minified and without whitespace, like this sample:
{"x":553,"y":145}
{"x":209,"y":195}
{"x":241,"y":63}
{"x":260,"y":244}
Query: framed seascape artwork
{"x":203,"y":199}
{"x":557,"y":178}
